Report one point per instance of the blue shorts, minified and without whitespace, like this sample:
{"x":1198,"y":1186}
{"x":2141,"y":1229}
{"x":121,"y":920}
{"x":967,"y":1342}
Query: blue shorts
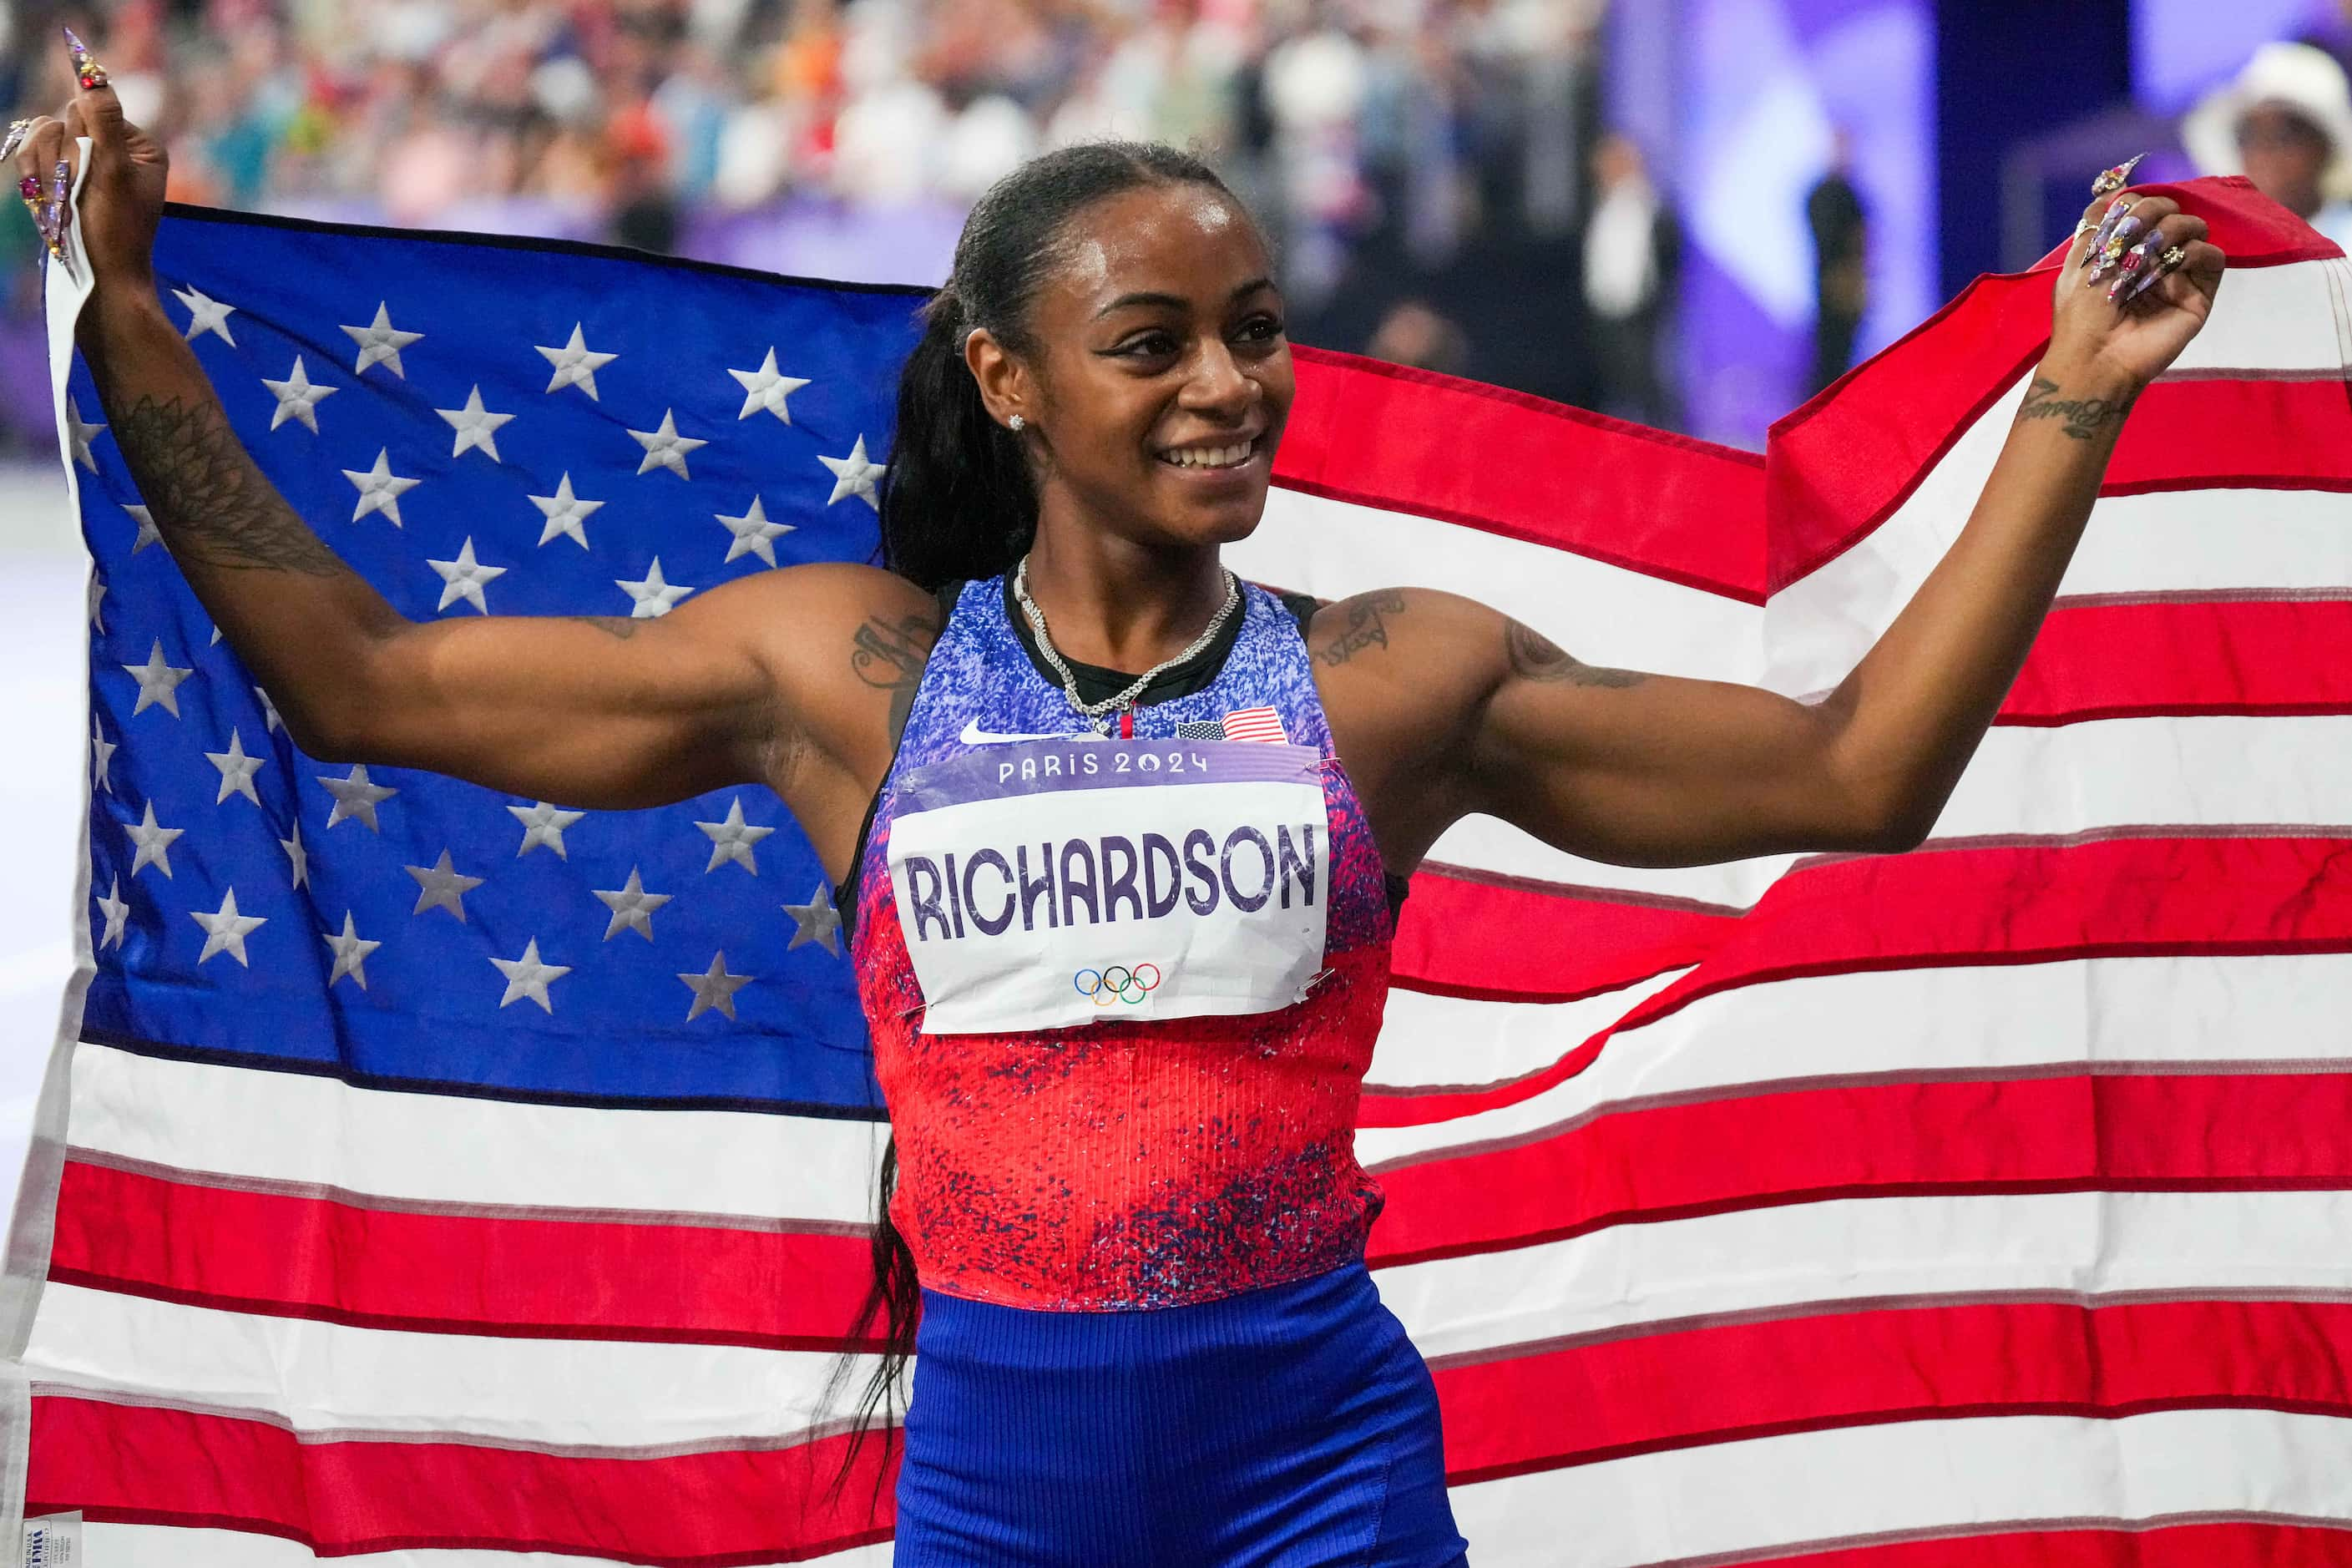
{"x":1290,"y":1426}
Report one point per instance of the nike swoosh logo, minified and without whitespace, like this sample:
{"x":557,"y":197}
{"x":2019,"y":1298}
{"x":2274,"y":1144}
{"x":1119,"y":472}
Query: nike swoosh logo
{"x":973,"y":735}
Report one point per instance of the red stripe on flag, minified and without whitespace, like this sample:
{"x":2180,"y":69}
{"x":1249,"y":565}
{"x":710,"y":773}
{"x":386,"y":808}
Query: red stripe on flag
{"x":2264,"y":435}
{"x":519,"y":1276}
{"x":1647,"y":1393}
{"x":1432,"y":446}
{"x":129,"y":1464}
{"x":1560,"y":944}
{"x":2183,"y":658}
{"x":2070,"y":1132}
{"x":2029,"y":903}
{"x":1840,"y":465}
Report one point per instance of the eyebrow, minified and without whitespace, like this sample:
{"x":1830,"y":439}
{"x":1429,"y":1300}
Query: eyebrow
{"x":1176,"y":302}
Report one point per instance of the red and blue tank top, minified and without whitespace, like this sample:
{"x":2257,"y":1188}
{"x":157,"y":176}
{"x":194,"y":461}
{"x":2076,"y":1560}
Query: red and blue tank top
{"x":1122,"y":992}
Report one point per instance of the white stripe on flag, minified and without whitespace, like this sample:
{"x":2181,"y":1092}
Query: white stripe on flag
{"x":1909,"y":1476}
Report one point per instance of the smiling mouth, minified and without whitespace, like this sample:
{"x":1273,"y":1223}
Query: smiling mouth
{"x":1233,"y":455}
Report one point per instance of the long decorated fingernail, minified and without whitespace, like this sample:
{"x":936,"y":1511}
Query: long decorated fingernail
{"x":18,"y":130}
{"x":2168,"y":262}
{"x":2134,"y":263}
{"x":2103,"y":242}
{"x":2113,"y":179}
{"x":2105,"y":258}
{"x":53,"y":218}
{"x":30,"y":189}
{"x":87,"y":71}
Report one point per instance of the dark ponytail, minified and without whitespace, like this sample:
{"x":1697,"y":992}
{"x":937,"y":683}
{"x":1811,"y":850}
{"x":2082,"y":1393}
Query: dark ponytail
{"x":959,"y":503}
{"x":958,"y":499}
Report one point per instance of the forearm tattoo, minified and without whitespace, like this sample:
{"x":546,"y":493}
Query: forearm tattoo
{"x":890,"y":657}
{"x":2084,"y":418}
{"x":211,"y":503}
{"x":1535,"y":657}
{"x":1364,"y":627}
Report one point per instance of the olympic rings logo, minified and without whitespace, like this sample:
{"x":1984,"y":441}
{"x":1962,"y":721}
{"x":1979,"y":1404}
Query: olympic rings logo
{"x":1118,"y":984}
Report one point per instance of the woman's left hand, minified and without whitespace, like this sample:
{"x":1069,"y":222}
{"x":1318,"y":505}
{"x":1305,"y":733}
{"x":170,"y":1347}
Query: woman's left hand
{"x":2138,"y":332}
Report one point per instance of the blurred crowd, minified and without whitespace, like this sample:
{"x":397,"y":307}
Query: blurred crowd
{"x":1434,"y":155}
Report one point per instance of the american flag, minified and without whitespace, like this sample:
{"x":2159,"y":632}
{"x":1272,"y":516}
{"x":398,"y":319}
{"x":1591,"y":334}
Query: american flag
{"x":1986,"y":1204}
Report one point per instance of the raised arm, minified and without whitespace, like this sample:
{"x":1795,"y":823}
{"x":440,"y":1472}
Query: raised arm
{"x":792,"y":678}
{"x":1457,"y":710}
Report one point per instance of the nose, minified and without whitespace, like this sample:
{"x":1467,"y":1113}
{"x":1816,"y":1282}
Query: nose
{"x":1218,"y":387}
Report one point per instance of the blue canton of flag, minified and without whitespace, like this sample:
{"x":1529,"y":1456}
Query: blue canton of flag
{"x":479,"y":427}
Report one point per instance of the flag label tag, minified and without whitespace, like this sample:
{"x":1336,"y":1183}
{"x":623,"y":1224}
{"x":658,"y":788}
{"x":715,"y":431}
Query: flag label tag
{"x":54,"y":1540}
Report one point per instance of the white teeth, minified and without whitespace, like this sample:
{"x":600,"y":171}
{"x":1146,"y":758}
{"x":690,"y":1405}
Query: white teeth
{"x":1208,"y":457}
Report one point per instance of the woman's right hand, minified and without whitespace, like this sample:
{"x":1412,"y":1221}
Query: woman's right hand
{"x":121,"y":200}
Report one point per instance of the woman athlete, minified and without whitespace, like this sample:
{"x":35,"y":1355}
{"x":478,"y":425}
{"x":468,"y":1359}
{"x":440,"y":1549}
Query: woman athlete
{"x":1121,"y":1030}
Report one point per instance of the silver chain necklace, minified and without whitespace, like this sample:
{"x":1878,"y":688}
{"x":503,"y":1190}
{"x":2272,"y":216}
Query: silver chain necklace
{"x":1094,"y":713}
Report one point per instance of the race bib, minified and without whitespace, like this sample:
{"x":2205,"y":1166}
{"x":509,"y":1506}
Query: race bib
{"x":1056,"y":882}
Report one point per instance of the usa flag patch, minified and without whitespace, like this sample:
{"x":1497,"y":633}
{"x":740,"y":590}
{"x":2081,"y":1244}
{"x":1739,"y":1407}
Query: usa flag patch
{"x":1255,"y":724}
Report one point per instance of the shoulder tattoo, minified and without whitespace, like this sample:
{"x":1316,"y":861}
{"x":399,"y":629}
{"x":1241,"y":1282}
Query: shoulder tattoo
{"x":1365,"y":625}
{"x":1535,"y":657}
{"x":889,"y":656}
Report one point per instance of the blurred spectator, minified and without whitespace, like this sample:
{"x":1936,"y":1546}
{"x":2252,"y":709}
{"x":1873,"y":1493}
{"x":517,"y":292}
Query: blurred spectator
{"x":1413,"y":334}
{"x":1422,"y":165}
{"x":1632,"y":255}
{"x":1840,"y":279}
{"x":2286,"y":124}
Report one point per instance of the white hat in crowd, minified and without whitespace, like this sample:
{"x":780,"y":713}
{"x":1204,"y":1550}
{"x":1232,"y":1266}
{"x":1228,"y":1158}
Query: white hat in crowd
{"x":2296,"y":77}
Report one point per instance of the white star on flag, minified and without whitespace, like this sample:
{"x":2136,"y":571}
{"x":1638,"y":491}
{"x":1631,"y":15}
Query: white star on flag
{"x":475,"y":425}
{"x":351,"y":950}
{"x":298,"y":397}
{"x":564,"y":512}
{"x":116,"y":910}
{"x":207,"y":314}
{"x":148,"y":533}
{"x":753,"y":531}
{"x":816,"y":921}
{"x":380,"y":343}
{"x":714,"y":990}
{"x":380,"y":488}
{"x":101,"y":756}
{"x":652,"y":596}
{"x":236,"y":771}
{"x":527,"y":976}
{"x":271,"y":722}
{"x":226,"y":930}
{"x":463,"y":578}
{"x":767,"y":387}
{"x":438,"y":886}
{"x":298,"y":858}
{"x":545,"y":824}
{"x":855,"y":476}
{"x":665,"y":447}
{"x":356,"y":796}
{"x":78,"y":434}
{"x":158,"y":682}
{"x":632,"y":907}
{"x":576,"y":364}
{"x":96,"y":592}
{"x":153,"y":842}
{"x":732,"y":839}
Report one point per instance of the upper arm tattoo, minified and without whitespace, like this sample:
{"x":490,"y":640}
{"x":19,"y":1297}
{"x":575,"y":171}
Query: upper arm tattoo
{"x":621,"y":627}
{"x":1364,"y":628}
{"x":889,"y":656}
{"x":1535,"y":657}
{"x":212,"y":504}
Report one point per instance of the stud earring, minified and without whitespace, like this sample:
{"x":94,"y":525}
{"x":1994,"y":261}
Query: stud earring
{"x":1018,"y":423}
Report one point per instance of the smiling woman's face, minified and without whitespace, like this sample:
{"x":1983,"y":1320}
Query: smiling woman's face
{"x":1162,"y":377}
